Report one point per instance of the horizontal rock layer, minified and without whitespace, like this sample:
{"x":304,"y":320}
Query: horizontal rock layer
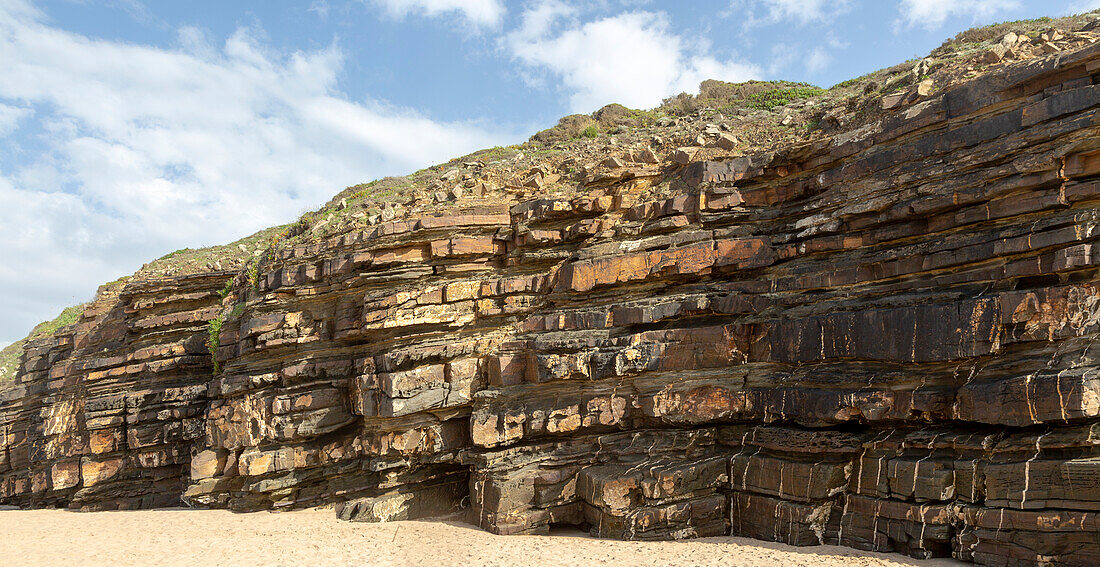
{"x":106,"y":413}
{"x":883,"y":340}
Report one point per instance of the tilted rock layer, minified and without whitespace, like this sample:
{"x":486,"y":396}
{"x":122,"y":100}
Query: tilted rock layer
{"x":883,"y":340}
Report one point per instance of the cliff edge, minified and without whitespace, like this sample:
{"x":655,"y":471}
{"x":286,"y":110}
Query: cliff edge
{"x":863,"y":316}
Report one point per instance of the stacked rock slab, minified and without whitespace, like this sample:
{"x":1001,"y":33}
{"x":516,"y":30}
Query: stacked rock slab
{"x":105,"y":413}
{"x":884,"y":340}
{"x":349,"y":370}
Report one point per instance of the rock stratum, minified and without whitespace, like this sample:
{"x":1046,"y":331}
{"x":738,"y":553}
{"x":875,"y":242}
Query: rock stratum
{"x":882,"y":339}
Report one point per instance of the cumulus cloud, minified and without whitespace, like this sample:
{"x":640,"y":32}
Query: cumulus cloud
{"x":129,"y":151}
{"x":479,"y":12}
{"x":931,"y":14}
{"x":632,"y":58}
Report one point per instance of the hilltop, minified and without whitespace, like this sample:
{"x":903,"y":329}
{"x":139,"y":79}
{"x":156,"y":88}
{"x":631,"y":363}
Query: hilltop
{"x":724,"y":120}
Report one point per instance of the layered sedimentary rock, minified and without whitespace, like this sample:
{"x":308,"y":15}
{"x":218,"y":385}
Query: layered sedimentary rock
{"x":106,"y":412}
{"x":884,"y":340}
{"x":349,"y":370}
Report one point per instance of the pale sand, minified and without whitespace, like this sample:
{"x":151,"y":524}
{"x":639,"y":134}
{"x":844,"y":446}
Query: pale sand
{"x":315,"y":538}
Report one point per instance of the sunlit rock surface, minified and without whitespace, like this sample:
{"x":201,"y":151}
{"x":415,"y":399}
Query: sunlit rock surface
{"x":883,"y":340}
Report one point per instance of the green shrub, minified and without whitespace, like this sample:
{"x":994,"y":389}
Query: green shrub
{"x":213,"y":339}
{"x":591,"y":131}
{"x":175,"y":253}
{"x":254,"y":274}
{"x":227,"y":289}
{"x":847,"y":83}
{"x":568,"y":128}
{"x":768,"y":100}
{"x":680,"y":104}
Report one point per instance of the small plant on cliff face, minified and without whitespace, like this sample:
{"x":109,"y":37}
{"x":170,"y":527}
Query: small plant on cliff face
{"x":225,"y":291}
{"x":308,"y":218}
{"x":214,"y":332}
{"x":236,"y":312}
{"x":590,"y":132}
{"x":254,"y":274}
{"x":274,"y":246}
{"x":213,"y":339}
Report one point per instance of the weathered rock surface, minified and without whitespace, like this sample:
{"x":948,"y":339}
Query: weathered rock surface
{"x":105,"y":415}
{"x":883,"y":340}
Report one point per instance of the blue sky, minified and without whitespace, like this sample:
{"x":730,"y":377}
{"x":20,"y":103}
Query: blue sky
{"x":129,"y":129}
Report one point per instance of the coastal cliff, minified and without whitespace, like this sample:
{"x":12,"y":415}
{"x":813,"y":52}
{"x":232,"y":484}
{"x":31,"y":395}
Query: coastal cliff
{"x":877,"y":332}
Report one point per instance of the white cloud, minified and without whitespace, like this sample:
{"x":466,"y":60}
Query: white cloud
{"x":538,"y":20}
{"x":141,"y":150}
{"x":480,"y":12}
{"x":801,"y":12}
{"x":632,"y":58}
{"x":1083,"y":6}
{"x":10,"y":116}
{"x":789,"y":14}
{"x":818,"y":60}
{"x":931,"y":14}
{"x":319,"y":7}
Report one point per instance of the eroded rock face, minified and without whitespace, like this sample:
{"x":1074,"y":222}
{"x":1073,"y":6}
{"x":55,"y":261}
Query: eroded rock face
{"x":884,"y":340}
{"x":105,"y":415}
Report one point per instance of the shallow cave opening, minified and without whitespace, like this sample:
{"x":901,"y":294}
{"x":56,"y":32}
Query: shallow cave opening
{"x":563,"y":529}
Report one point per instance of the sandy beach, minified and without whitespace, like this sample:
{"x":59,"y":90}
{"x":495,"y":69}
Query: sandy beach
{"x":315,"y":538}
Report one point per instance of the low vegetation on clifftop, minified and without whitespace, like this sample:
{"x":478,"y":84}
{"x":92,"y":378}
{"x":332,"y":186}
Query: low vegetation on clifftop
{"x":724,"y":120}
{"x":9,"y":356}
